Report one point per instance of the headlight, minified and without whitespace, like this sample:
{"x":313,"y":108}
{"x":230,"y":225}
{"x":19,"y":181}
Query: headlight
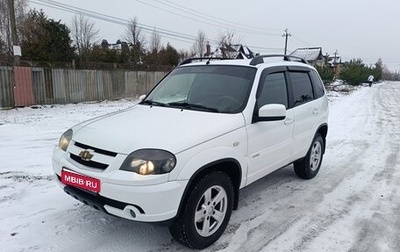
{"x":149,"y":161}
{"x":65,"y":139}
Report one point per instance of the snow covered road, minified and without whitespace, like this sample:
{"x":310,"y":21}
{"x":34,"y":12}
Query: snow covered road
{"x":352,"y":205}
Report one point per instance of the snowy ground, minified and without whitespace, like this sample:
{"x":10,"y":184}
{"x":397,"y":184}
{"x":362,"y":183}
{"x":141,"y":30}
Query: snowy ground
{"x":352,"y":205}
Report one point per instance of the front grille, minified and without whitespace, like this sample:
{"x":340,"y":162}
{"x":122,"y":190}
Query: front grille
{"x":106,"y":157}
{"x":104,"y":152}
{"x":92,"y":164}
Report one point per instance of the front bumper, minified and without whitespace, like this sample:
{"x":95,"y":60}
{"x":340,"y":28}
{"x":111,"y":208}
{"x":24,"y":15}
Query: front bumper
{"x":148,"y":203}
{"x":159,"y":204}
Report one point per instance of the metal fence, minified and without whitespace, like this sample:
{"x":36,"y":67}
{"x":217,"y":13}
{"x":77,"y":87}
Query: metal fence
{"x":25,"y":86}
{"x":6,"y":86}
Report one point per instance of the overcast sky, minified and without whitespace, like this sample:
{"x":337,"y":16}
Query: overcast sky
{"x":366,"y":29}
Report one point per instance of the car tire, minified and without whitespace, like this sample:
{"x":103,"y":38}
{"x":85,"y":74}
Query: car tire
{"x":206,"y":213}
{"x":308,"y":167}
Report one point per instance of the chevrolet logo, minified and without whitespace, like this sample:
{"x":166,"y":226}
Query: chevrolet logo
{"x":86,"y":155}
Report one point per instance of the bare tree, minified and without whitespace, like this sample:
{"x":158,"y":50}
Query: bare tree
{"x":83,"y":33}
{"x":226,"y":40}
{"x":200,"y":45}
{"x":228,"y":37}
{"x":155,"y":42}
{"x":134,"y":35}
{"x":184,"y":54}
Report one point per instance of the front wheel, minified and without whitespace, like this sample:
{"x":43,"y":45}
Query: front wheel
{"x":308,"y":167}
{"x":206,"y":213}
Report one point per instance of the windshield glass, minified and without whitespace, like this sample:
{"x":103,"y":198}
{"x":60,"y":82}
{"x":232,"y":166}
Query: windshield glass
{"x":211,"y":88}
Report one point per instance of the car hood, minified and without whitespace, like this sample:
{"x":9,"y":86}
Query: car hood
{"x":145,"y":126}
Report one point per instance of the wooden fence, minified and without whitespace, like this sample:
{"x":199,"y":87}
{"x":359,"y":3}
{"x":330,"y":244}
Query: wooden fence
{"x":25,"y":86}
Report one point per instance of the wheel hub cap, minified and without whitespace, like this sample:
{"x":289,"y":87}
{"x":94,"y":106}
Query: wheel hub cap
{"x":315,"y":157}
{"x":210,"y":211}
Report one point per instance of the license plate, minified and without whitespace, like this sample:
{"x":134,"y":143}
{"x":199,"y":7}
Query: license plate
{"x":81,"y":181}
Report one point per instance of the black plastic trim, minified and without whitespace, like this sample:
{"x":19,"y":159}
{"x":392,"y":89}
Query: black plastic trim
{"x":91,"y":164}
{"x":104,"y":152}
{"x":209,"y":168}
{"x":299,"y":69}
{"x":268,"y":119}
{"x":95,"y":200}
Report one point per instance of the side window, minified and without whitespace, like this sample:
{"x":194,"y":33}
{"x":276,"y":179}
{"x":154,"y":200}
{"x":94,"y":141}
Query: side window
{"x":302,"y":87}
{"x":273,"y":90}
{"x":317,"y":84}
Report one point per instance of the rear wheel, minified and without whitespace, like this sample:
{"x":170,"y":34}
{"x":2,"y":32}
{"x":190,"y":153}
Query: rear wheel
{"x":206,"y":213}
{"x":308,"y":167}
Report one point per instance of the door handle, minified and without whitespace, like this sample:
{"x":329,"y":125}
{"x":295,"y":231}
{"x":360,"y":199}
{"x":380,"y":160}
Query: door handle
{"x":288,"y":121}
{"x":315,"y":111}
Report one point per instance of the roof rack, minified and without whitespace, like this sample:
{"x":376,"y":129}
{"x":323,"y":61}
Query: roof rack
{"x":208,"y":59}
{"x":260,"y":58}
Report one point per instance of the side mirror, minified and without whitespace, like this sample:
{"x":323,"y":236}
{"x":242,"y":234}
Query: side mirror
{"x":271,"y":112}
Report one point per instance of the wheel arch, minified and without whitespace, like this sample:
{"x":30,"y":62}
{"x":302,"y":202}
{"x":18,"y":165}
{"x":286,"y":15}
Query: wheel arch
{"x":231,"y":167}
{"x":323,"y":131}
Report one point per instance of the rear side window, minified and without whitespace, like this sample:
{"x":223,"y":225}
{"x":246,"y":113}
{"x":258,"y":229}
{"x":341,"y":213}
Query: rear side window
{"x":319,"y":90}
{"x":302,"y":87}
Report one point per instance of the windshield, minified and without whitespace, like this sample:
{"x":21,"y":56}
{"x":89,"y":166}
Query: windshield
{"x":223,"y":89}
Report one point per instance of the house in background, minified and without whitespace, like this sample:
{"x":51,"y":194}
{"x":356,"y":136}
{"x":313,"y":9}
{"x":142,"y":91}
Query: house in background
{"x":335,"y":63}
{"x":236,"y":51}
{"x":119,"y":46}
{"x":313,"y":55}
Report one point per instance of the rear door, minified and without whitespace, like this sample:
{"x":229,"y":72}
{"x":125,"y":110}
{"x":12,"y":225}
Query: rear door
{"x":306,"y":109}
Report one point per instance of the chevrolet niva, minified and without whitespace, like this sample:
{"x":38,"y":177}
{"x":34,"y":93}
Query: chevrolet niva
{"x":207,"y":129}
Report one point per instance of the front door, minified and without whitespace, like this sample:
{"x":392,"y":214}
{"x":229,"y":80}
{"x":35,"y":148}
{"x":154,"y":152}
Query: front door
{"x":270,"y":143}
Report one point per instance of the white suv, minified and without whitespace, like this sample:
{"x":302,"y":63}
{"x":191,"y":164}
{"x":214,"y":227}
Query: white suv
{"x":208,"y":129}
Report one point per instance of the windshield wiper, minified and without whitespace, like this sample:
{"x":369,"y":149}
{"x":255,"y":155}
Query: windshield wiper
{"x":193,"y":106}
{"x":153,"y":103}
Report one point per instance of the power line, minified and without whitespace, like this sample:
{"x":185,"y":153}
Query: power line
{"x":225,"y":26}
{"x":171,"y":12}
{"x":218,"y":18}
{"x":76,"y":10}
{"x":108,"y":18}
{"x":228,"y":24}
{"x":302,"y":41}
{"x":298,"y":42}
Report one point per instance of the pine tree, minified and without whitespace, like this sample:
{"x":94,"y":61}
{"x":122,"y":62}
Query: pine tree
{"x":45,"y":39}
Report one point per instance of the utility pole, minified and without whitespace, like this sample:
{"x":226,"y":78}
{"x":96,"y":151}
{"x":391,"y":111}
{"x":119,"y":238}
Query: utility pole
{"x":13,"y":27}
{"x":286,"y":35}
{"x":334,"y":59}
{"x":335,"y":65}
